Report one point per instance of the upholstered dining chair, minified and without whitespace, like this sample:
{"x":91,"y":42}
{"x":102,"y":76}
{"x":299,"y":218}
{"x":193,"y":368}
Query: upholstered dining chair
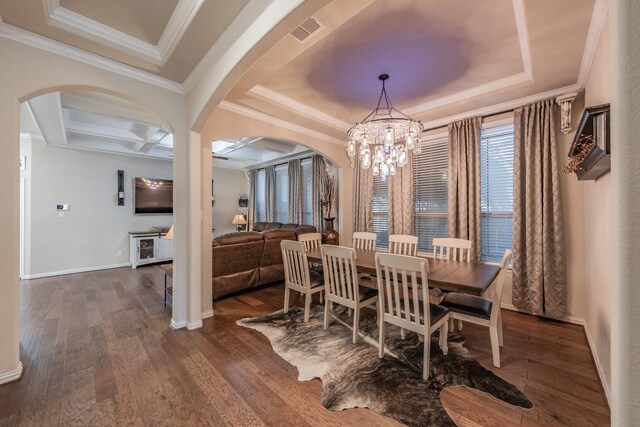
{"x":297,"y":275}
{"x":404,"y":302}
{"x":403,"y":244}
{"x":453,"y":249}
{"x":364,"y":241}
{"x":482,"y":311}
{"x":342,"y":285}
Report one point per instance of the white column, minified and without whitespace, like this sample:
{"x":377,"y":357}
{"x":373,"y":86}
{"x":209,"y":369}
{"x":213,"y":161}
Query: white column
{"x":10,"y":365}
{"x":625,"y":178}
{"x":187,"y":217}
{"x":207,"y":220}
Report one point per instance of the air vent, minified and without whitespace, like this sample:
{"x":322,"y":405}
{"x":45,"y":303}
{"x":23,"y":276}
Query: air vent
{"x":306,"y":29}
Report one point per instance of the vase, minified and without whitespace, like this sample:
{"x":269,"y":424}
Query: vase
{"x":330,"y":235}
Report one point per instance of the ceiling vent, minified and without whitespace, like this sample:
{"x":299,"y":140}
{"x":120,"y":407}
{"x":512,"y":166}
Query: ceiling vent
{"x":306,"y":29}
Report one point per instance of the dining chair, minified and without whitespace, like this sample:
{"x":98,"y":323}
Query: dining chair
{"x":404,"y":301}
{"x":453,"y":249}
{"x":311,"y":240}
{"x":403,"y":244}
{"x":482,"y":311}
{"x":364,"y":241}
{"x":297,"y":275}
{"x":342,"y":285}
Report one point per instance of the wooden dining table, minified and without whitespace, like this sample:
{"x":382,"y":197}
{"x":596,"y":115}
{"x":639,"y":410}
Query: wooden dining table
{"x":453,"y":276}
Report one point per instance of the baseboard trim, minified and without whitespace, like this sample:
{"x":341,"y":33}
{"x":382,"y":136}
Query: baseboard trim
{"x":192,"y":326}
{"x":14,"y":375}
{"x":207,"y":314}
{"x":74,"y":271}
{"x":582,"y":322}
{"x":178,"y":325}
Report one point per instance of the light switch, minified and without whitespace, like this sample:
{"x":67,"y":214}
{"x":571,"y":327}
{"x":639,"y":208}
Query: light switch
{"x":62,"y":207}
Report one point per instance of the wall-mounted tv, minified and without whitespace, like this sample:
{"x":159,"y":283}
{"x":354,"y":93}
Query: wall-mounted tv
{"x":153,"y":196}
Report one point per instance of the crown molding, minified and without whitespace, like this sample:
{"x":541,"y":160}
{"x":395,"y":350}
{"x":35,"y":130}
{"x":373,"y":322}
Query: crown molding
{"x":502,"y":107}
{"x":249,"y":13}
{"x":180,"y":20}
{"x":88,"y":28}
{"x":40,"y":42}
{"x":253,"y":114}
{"x":600,"y":9}
{"x":299,"y":107}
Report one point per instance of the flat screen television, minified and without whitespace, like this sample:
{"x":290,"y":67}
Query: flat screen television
{"x":153,"y":196}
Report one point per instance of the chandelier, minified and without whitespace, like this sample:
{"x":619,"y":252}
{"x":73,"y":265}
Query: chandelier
{"x":384,"y":138}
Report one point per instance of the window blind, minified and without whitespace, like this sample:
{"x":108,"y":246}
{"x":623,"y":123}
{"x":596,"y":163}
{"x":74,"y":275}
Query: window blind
{"x":282,"y":194}
{"x":307,"y":191}
{"x":496,"y":180}
{"x":430,"y":178}
{"x":261,"y":192}
{"x":380,"y":210}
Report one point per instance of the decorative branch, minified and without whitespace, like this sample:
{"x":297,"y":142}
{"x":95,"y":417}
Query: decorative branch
{"x":583,"y":147}
{"x":327,"y":194}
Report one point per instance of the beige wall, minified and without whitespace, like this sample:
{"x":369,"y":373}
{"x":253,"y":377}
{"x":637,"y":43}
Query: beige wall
{"x":598,"y":228}
{"x":229,"y":184}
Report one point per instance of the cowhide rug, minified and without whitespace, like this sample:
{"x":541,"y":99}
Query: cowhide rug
{"x":353,"y":376}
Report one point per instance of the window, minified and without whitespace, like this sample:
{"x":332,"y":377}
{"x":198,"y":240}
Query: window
{"x":430,"y":178}
{"x":261,"y":193}
{"x":496,"y":180}
{"x":380,"y":210}
{"x":282,"y":194}
{"x":307,"y":191}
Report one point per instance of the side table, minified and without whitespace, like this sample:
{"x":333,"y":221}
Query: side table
{"x":168,"y":272}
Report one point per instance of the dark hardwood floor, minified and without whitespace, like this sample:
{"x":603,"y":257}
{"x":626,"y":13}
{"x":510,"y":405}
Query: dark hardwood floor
{"x":97,"y":350}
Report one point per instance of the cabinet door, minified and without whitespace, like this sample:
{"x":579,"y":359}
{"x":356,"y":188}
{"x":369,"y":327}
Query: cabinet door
{"x":166,"y":248}
{"x":146,"y":248}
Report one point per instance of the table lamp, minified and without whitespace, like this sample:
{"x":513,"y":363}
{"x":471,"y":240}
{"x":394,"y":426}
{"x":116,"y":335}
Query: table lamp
{"x":239,"y":221}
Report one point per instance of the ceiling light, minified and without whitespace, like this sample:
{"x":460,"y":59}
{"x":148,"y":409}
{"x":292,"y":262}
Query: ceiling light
{"x":384,"y":138}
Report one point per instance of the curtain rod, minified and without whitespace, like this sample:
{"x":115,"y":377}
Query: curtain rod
{"x":510,"y":110}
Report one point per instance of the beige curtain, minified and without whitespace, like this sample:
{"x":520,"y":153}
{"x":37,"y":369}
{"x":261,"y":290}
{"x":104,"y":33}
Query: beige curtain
{"x":464,"y":183}
{"x":539,"y":282}
{"x":401,"y":209}
{"x":362,"y":195}
{"x":318,"y":169}
{"x":270,"y":198}
{"x":294,"y":172}
{"x":253,"y":197}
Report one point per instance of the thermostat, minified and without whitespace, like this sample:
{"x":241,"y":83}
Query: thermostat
{"x":63,"y":207}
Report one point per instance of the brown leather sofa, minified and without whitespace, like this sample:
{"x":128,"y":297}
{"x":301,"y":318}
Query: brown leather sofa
{"x":247,"y":259}
{"x":298,"y":228}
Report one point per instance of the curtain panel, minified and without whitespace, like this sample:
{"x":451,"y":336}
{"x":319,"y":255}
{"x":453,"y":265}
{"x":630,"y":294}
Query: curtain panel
{"x":318,"y":169}
{"x":539,"y":277}
{"x":363,"y":197}
{"x":270,"y":197}
{"x":253,"y":197}
{"x":296,"y":213}
{"x":401,"y":200}
{"x":464,"y":183}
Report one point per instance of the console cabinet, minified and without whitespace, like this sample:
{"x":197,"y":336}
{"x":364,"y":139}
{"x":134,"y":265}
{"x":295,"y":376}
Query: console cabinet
{"x":149,"y":247}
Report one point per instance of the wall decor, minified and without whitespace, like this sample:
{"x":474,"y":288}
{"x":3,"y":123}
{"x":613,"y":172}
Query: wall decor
{"x":590,"y":152}
{"x":120,"y":188}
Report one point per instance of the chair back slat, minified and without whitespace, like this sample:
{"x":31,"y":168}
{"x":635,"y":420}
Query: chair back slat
{"x":452,"y":249}
{"x":296,"y":266}
{"x":403,"y":291}
{"x":364,"y":241}
{"x":403,"y":244}
{"x":340,"y":273}
{"x":311,"y":240}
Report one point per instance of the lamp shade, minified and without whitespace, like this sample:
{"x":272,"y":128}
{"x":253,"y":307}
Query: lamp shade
{"x":239,"y":220}
{"x":169,"y":235}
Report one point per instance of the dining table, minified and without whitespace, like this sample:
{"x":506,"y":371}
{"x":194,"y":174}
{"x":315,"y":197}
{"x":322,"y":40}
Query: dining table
{"x":447,"y":275}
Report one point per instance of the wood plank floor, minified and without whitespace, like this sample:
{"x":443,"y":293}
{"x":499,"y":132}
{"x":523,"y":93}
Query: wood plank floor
{"x":97,"y":350}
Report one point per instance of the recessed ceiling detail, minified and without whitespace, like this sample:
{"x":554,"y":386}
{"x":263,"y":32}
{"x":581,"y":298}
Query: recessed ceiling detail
{"x":180,"y":19}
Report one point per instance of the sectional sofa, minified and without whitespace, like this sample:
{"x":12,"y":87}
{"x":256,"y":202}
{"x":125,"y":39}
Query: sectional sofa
{"x":247,"y":259}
